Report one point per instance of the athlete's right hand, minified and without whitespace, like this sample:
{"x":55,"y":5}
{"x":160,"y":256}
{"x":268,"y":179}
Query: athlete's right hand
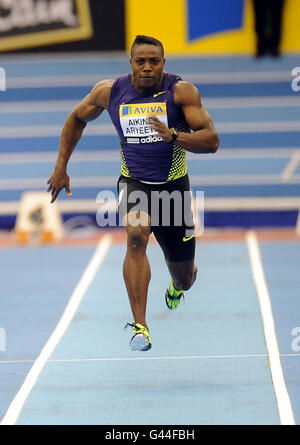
{"x":59,"y":180}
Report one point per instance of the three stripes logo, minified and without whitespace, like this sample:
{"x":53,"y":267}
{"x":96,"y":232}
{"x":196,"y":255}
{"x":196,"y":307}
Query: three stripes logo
{"x":147,"y":140}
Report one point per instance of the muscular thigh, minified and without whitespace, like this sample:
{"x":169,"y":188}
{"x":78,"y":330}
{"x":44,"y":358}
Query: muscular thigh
{"x":177,"y":236}
{"x":173,"y":228}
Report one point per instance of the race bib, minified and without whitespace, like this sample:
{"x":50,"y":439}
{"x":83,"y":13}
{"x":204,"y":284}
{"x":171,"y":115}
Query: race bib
{"x":135,"y":125}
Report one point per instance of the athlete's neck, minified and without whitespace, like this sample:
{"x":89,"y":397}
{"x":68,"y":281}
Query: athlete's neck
{"x":146,"y":90}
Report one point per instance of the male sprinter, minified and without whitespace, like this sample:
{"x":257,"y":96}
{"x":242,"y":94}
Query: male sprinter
{"x":157,"y":116}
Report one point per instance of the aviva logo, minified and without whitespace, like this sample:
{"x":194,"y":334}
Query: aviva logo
{"x":158,"y":108}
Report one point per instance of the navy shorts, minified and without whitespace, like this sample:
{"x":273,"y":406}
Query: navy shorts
{"x":170,"y":209}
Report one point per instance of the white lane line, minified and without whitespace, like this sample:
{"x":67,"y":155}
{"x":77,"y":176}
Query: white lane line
{"x":84,"y":80}
{"x":114,"y":155}
{"x":213,"y":204}
{"x":17,"y":403}
{"x":184,"y":357}
{"x":40,"y":183}
{"x":220,"y":102}
{"x":238,"y":77}
{"x":110,"y":181}
{"x":40,"y":157}
{"x":257,"y":126}
{"x":253,"y":102}
{"x":37,"y":106}
{"x":113,"y":359}
{"x":202,"y":78}
{"x":54,"y":131}
{"x":283,"y":401}
{"x":291,"y":167}
{"x":108,"y":129}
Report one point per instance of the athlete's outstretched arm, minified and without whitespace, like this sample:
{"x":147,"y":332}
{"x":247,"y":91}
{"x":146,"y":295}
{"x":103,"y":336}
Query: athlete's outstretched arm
{"x":87,"y":110}
{"x":204,"y":138}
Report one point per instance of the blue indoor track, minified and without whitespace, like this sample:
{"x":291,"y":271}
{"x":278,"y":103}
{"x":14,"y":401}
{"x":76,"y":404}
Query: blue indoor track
{"x":209,"y":360}
{"x":230,"y":354}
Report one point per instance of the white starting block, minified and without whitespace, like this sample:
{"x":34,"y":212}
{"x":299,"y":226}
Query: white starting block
{"x":38,"y":221}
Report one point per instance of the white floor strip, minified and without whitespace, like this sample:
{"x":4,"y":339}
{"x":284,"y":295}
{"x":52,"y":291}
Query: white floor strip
{"x":252,"y":102}
{"x":18,"y":402}
{"x":283,"y":401}
{"x":114,"y":155}
{"x":257,"y":126}
{"x":291,"y":167}
{"x":219,"y":102}
{"x":39,"y":157}
{"x":58,"y":81}
{"x":110,"y":181}
{"x":37,"y":106}
{"x":94,"y":129}
{"x":41,"y":183}
{"x":112,"y":359}
{"x":203,"y":78}
{"x":238,"y":77}
{"x":211,"y":204}
{"x":184,"y":357}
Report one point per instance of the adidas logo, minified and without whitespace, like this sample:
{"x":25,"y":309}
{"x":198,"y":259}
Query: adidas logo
{"x":151,"y":139}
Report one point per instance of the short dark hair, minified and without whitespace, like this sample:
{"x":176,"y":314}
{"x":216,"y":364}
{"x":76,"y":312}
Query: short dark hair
{"x":147,"y":40}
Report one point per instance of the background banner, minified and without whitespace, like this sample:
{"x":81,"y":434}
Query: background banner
{"x":207,"y":27}
{"x":61,"y":25}
{"x":186,"y":27}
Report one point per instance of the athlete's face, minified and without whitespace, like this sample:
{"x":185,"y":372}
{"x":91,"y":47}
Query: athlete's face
{"x":147,"y":64}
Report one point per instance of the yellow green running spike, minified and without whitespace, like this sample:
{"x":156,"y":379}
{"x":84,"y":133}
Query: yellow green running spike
{"x":173,"y":296}
{"x":141,"y":340}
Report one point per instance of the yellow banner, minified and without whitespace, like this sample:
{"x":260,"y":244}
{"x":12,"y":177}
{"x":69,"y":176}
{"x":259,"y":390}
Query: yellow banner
{"x":170,"y":22}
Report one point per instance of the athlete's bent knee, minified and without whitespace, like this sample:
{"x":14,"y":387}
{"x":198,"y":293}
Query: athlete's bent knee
{"x":187,"y":281}
{"x":137,"y":238}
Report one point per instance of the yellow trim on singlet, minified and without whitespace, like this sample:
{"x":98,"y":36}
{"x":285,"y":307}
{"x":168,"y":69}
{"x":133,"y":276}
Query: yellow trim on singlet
{"x":124,"y":168}
{"x":179,"y":166}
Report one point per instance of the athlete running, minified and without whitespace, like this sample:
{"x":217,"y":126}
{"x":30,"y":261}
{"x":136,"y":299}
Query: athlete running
{"x":157,"y":116}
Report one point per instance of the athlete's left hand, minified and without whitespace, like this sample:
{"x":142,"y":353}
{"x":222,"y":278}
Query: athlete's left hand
{"x":160,"y":127}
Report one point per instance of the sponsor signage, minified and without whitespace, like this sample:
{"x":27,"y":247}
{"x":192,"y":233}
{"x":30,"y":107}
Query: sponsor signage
{"x":207,"y":26}
{"x":32,"y":23}
{"x":135,"y":124}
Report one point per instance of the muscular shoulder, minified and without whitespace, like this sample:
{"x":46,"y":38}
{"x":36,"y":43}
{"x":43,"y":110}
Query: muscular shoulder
{"x":185,"y":93}
{"x":100,"y":93}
